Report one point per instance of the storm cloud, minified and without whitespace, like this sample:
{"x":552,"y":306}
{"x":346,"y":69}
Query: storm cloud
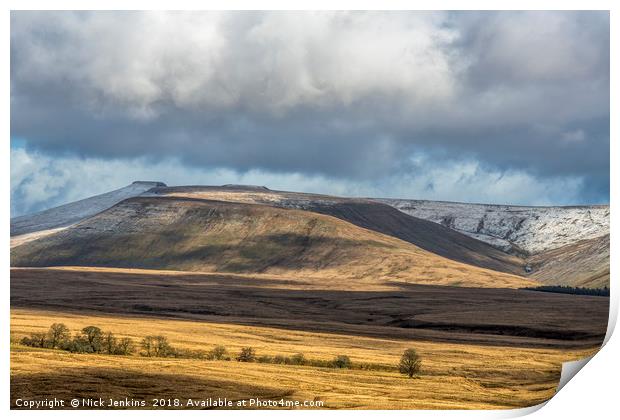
{"x":364,"y":100}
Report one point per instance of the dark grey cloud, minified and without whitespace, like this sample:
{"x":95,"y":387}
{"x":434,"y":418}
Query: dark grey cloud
{"x":347,"y":96}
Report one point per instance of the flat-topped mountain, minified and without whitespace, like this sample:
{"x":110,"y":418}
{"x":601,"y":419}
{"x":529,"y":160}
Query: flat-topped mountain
{"x":367,"y":214}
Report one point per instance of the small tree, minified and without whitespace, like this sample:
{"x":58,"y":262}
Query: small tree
{"x":109,"y":343}
{"x":125,"y":346}
{"x":247,"y":354}
{"x":148,"y":345}
{"x":94,"y":338}
{"x":410,"y":363}
{"x":162,"y":347}
{"x":58,"y":334}
{"x":79,"y":344}
{"x":218,"y":353}
{"x":298,"y":359}
{"x":342,"y":361}
{"x":39,"y":339}
{"x":156,"y":346}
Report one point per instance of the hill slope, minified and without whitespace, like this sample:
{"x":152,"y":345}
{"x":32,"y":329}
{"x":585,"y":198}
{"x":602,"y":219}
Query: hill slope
{"x":517,"y":229}
{"x":584,"y":264}
{"x":200,"y":235}
{"x":555,"y":245}
{"x":369,"y":215}
{"x":68,"y":214}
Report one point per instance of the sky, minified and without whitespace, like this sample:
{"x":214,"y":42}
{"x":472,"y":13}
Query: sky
{"x":491,"y":107}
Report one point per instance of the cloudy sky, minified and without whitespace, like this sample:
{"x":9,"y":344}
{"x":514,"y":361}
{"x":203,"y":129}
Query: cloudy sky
{"x":507,"y":107}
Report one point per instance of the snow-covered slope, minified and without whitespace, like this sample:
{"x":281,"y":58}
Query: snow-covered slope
{"x":530,"y":230}
{"x":68,"y":214}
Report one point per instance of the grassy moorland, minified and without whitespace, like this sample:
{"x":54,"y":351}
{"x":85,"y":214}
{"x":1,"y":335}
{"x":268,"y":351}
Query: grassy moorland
{"x":453,"y":375}
{"x":388,"y":310}
{"x":480,"y":347}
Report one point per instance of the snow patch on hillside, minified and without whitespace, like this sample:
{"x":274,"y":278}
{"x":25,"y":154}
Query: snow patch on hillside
{"x":513,"y":228}
{"x":68,"y":214}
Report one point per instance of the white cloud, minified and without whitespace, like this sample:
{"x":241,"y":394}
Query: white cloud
{"x":264,"y":61}
{"x":39,"y":181}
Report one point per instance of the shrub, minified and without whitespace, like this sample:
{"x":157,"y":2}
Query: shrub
{"x":35,"y":340}
{"x":410,"y":363}
{"x":188,"y":354}
{"x":78,"y":345}
{"x":265,"y":359}
{"x":298,"y":359}
{"x":247,"y":354}
{"x":218,"y":353}
{"x":342,"y":362}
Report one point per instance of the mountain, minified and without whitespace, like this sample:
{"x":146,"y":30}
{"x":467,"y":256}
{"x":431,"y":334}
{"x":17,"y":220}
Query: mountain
{"x":559,"y":245}
{"x":367,"y":214}
{"x":62,"y":216}
{"x":551,"y":245}
{"x":193,"y":234}
{"x":516,"y":229}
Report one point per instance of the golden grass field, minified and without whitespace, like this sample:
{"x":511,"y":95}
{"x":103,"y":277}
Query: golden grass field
{"x":453,"y":376}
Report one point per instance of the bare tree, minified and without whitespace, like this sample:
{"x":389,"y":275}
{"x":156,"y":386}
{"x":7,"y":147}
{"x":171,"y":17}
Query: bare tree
{"x":410,"y":363}
{"x":125,"y":346}
{"x":148,"y":345}
{"x":109,"y":343}
{"x":162,"y":347}
{"x":156,"y":346}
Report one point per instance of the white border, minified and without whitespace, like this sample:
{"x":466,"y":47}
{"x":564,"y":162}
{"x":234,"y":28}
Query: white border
{"x":592,"y":395}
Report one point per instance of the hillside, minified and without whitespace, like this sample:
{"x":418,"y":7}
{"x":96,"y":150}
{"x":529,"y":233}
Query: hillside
{"x":516,"y":229}
{"x":210,"y":236}
{"x":65,"y":215}
{"x":584,"y":264}
{"x":553,"y":245}
{"x":369,"y":215}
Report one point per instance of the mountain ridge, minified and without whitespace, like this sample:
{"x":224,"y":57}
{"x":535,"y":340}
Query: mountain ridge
{"x":190,"y":234}
{"x":488,"y":236}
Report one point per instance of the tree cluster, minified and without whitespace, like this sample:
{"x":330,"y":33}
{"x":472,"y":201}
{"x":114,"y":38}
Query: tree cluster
{"x":571,"y":290}
{"x":92,"y":339}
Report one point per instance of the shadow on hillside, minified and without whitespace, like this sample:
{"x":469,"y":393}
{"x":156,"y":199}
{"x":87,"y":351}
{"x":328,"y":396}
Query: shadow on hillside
{"x":120,"y":384}
{"x":169,"y":250}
